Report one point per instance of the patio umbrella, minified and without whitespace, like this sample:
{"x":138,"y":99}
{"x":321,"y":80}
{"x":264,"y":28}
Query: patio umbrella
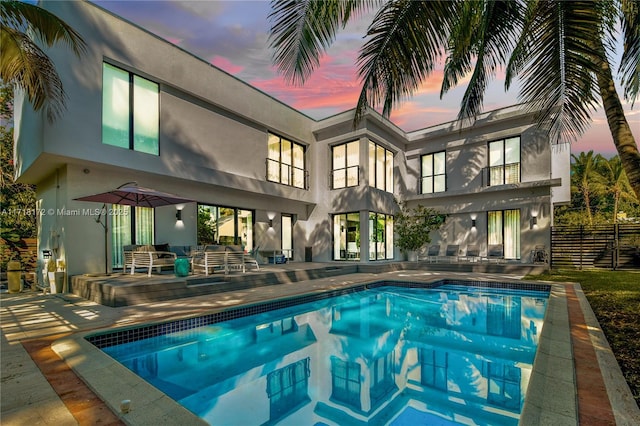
{"x":130,"y":194}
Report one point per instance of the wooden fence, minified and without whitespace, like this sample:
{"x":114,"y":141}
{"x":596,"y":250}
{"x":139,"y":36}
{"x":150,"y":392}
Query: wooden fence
{"x":598,"y":246}
{"x":28,"y":248}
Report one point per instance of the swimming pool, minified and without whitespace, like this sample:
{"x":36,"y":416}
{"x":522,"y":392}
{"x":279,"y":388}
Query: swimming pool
{"x":385,"y":353}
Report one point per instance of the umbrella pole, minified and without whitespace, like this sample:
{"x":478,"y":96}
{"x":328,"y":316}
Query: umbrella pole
{"x":106,"y":232}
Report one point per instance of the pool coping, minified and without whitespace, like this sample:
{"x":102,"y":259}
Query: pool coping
{"x":551,"y":396}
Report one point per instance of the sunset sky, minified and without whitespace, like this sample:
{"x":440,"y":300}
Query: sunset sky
{"x":233,"y":35}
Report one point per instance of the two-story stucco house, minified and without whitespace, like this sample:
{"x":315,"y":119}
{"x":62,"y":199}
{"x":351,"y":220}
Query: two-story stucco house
{"x":262,"y":174}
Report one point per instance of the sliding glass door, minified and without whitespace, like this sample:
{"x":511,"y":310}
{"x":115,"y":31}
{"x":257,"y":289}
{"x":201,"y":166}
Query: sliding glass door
{"x":503,"y":227}
{"x":346,"y":236}
{"x":129,"y":226}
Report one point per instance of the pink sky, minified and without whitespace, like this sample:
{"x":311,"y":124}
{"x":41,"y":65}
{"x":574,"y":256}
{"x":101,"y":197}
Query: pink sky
{"x":232,"y":35}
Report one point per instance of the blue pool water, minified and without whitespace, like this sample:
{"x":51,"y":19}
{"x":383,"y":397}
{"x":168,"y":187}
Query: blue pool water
{"x":387,"y":355}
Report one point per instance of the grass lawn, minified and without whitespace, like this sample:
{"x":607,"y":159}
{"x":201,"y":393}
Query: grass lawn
{"x":615,"y":299}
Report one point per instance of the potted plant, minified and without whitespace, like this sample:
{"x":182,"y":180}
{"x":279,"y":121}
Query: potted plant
{"x":413,"y":227}
{"x":51,"y":274}
{"x":59,"y":274}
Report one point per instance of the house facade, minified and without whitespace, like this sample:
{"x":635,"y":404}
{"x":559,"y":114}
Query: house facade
{"x":261,"y":173}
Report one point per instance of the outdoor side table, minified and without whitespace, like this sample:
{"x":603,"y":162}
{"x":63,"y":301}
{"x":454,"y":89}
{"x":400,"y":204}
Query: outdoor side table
{"x":181,"y":267}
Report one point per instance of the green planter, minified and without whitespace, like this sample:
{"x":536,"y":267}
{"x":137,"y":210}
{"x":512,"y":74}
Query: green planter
{"x":181,"y":267}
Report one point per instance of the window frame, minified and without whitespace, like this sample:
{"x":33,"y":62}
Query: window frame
{"x":132,"y":77}
{"x":287,"y":179}
{"x":504,"y":165}
{"x":386,"y":174}
{"x":347,"y":166}
{"x":433,"y":175}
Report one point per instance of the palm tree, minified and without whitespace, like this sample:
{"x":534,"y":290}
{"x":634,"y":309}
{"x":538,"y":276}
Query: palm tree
{"x":559,"y":50}
{"x":586,"y":179}
{"x":24,"y":64}
{"x":616,"y":183}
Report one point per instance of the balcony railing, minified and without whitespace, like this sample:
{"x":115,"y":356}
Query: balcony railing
{"x":287,"y":174}
{"x":501,"y":175}
{"x":343,"y":178}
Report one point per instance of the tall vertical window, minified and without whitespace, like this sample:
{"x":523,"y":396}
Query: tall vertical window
{"x":503,"y":227}
{"x":382,"y":380}
{"x":434,"y":365}
{"x":287,"y":388}
{"x":129,"y":226}
{"x":504,"y":161}
{"x":504,"y":385}
{"x":380,"y":167}
{"x":345,"y":165}
{"x":346,"y":236}
{"x":380,"y":236}
{"x":433,"y":173}
{"x":130,"y":111}
{"x":285,"y":162}
{"x":345,"y":382}
{"x":287,"y":235}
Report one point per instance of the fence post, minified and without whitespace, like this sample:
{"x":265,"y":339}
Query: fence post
{"x":616,"y":246}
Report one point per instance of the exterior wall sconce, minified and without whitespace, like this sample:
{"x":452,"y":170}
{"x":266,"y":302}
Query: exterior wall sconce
{"x":270,"y":223}
{"x":473,"y":223}
{"x":179,"y":215}
{"x":46,"y":254}
{"x":534,"y":222}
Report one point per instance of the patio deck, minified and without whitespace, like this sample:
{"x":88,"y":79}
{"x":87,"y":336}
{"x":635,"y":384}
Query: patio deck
{"x":120,"y":289}
{"x":39,"y":386}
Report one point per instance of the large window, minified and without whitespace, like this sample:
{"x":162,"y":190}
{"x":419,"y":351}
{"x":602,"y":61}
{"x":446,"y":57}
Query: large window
{"x":288,"y":387}
{"x":433,"y":173}
{"x":380,"y":236}
{"x":130,"y":111}
{"x":434,"y":365}
{"x":345,"y":382}
{"x":285,"y":162}
{"x":380,"y":167}
{"x":504,"y":385}
{"x":504,"y":161}
{"x":129,"y":226}
{"x":225,"y":225}
{"x":503,"y":227}
{"x":346,"y":236}
{"x":345,"y":165}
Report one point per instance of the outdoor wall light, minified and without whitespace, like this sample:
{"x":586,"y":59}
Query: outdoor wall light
{"x":270,"y":223}
{"x":473,"y":223}
{"x":178,"y":214}
{"x":534,"y":222}
{"x":46,"y":254}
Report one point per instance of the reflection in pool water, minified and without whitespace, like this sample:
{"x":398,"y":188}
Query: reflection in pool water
{"x":391,"y":355}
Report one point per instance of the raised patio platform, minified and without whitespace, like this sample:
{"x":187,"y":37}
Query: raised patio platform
{"x":120,"y":289}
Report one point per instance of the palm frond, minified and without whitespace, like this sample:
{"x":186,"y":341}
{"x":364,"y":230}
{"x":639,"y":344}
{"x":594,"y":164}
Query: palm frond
{"x":555,"y":60}
{"x":405,"y":43}
{"x":23,"y":63}
{"x":45,"y":25}
{"x":630,"y":62}
{"x":486,"y":30}
{"x":302,"y":30}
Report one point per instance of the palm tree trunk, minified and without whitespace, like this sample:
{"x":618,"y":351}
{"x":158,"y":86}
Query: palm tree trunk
{"x":587,"y":202}
{"x":616,"y":198}
{"x":620,"y":131}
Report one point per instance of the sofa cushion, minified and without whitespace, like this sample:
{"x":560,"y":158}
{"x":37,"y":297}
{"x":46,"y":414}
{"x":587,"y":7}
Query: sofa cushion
{"x":162,"y":247}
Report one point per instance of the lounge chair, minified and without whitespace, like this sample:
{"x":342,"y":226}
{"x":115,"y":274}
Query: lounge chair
{"x":210,"y":261}
{"x":250,"y":260}
{"x":495,"y":252}
{"x":452,"y":252}
{"x":473,"y":253}
{"x":235,"y":258}
{"x":433,"y":252}
{"x":539,"y":254}
{"x":148,"y":257}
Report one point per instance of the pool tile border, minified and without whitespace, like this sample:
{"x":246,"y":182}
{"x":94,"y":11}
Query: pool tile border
{"x":106,"y":339}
